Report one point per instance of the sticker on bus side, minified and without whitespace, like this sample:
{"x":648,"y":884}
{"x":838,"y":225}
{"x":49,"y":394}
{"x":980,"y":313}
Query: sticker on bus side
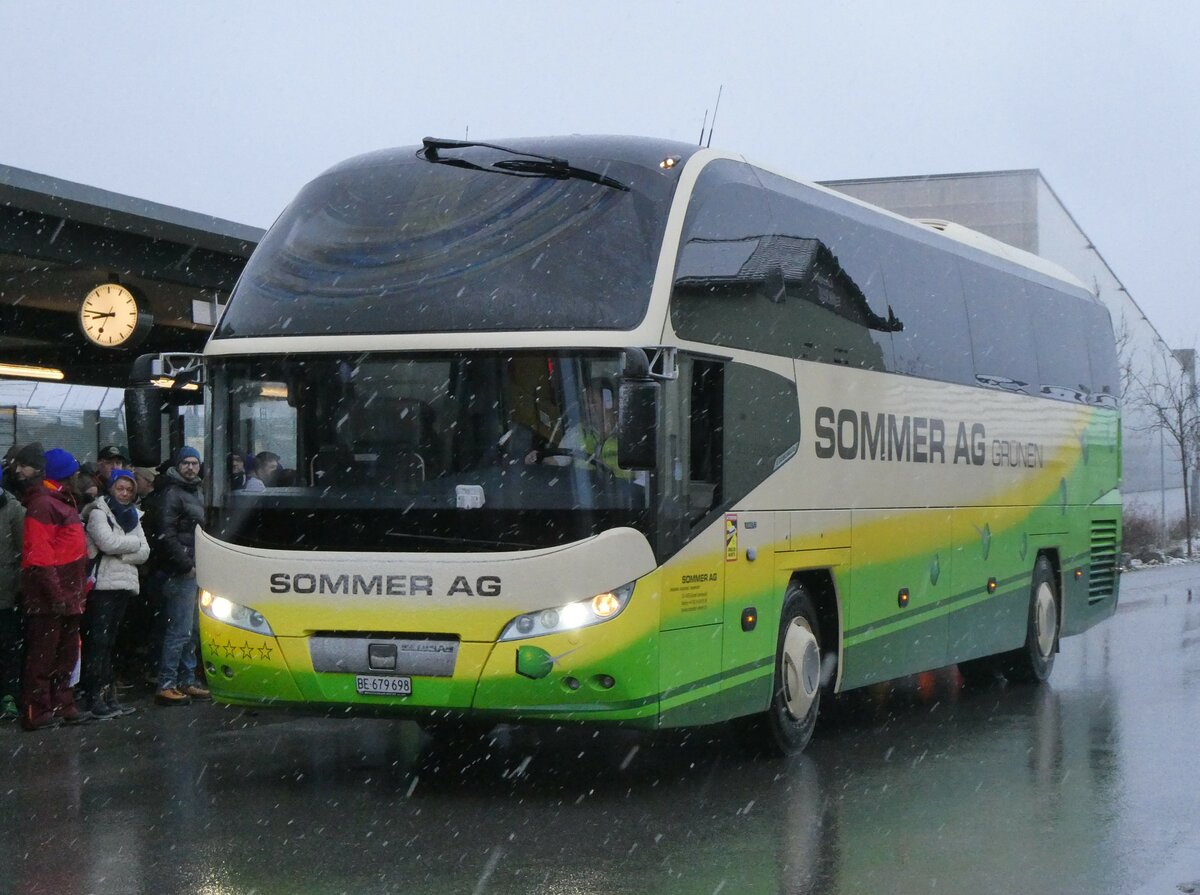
{"x":731,"y":545}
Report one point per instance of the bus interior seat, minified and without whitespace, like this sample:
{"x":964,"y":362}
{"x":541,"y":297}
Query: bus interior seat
{"x":400,"y":433}
{"x":388,"y":441}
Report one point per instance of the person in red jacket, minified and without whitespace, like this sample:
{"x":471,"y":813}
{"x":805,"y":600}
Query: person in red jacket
{"x":53,"y":570}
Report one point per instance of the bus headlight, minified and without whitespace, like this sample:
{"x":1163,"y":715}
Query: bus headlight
{"x":231,"y":613}
{"x":579,"y":614}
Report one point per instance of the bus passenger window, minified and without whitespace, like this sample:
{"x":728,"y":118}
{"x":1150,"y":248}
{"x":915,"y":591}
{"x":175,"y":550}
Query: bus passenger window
{"x":1002,"y":342}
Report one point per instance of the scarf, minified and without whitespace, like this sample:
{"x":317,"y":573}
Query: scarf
{"x":125,"y":514}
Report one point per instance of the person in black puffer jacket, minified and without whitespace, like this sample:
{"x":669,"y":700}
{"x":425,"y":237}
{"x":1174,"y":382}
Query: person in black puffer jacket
{"x":181,"y":510}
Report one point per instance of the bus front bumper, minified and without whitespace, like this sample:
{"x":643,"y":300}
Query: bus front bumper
{"x":573,"y":676}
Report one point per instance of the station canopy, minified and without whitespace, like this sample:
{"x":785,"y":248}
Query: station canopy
{"x":60,"y":240}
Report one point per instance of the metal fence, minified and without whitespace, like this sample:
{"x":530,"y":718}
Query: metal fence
{"x":82,"y":432}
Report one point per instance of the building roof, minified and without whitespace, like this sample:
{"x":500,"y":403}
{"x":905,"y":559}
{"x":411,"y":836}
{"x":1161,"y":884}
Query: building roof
{"x":59,"y":240}
{"x":48,"y":195}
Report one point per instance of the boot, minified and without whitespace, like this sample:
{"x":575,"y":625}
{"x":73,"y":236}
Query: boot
{"x":116,"y":708}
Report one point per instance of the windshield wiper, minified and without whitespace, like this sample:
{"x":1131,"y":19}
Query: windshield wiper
{"x":529,"y":165}
{"x":456,"y":539}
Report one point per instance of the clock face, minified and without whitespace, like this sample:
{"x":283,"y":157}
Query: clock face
{"x":111,"y":318}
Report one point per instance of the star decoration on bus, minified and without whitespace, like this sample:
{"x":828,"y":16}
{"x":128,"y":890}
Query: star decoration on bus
{"x":244,"y":650}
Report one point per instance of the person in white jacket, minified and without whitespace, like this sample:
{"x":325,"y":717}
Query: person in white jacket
{"x":116,"y":547}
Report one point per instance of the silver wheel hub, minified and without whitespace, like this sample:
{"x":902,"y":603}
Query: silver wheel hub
{"x":1045,"y":618}
{"x":800,"y":669}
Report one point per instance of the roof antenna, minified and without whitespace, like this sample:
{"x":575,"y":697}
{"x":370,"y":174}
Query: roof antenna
{"x":467,"y":134}
{"x":714,"y":121}
{"x":702,"y":126}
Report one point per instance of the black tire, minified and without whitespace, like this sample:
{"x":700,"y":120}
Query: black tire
{"x":1033,"y":662}
{"x":788,"y":724}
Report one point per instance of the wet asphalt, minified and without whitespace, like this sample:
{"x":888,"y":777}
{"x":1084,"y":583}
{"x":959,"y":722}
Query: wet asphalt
{"x":1088,"y":785}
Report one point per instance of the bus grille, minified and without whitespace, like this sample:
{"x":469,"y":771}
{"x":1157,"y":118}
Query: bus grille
{"x":1103,"y":572}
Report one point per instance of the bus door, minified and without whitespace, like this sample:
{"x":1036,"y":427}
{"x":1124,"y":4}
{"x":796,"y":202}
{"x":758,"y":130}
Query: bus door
{"x":737,"y":425}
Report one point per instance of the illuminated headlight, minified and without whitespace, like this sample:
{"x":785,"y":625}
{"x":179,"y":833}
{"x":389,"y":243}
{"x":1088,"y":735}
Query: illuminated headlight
{"x":579,"y":614}
{"x":231,"y":613}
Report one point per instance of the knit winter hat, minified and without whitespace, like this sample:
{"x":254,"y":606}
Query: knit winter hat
{"x":31,"y":455}
{"x":187,"y":452}
{"x":60,"y":465}
{"x":121,"y":474}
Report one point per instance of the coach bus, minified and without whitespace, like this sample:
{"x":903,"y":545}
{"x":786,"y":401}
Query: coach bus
{"x":620,"y":430}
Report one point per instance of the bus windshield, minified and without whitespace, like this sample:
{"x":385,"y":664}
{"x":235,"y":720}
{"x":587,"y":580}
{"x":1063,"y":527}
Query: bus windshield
{"x":397,"y":243}
{"x":470,"y":451}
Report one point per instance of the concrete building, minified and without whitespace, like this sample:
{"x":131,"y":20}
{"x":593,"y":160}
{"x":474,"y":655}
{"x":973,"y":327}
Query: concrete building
{"x":1021,"y":209}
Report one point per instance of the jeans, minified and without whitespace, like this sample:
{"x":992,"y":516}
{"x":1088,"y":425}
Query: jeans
{"x":181,"y":609}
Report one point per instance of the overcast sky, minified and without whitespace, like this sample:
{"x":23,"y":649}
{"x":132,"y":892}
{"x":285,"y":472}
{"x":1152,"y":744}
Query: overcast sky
{"x":228,"y":108}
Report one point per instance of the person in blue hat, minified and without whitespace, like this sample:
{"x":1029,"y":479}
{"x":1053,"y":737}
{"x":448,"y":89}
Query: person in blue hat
{"x":182,"y":510}
{"x":116,"y":547}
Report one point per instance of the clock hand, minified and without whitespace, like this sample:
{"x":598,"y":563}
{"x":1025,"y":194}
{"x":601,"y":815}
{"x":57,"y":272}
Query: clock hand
{"x":99,"y":314}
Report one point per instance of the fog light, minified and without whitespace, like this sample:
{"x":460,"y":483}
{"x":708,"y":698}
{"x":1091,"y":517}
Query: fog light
{"x":571,"y":683}
{"x":605,"y":681}
{"x":227,"y":671}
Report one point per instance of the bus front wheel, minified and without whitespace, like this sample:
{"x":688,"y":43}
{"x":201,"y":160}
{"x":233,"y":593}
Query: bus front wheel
{"x":1033,"y":662}
{"x":788,"y":724}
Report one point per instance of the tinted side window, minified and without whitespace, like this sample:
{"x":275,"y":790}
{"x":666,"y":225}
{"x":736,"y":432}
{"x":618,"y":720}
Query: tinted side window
{"x":1002,"y":340}
{"x":1062,"y":351}
{"x":925,"y":292}
{"x":841,"y":313}
{"x":763,"y":418}
{"x":744,"y":424}
{"x":719,"y":295}
{"x":1102,"y":355}
{"x":759,"y":271}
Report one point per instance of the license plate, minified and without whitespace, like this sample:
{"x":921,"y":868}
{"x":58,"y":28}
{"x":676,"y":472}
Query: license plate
{"x":382,"y":685}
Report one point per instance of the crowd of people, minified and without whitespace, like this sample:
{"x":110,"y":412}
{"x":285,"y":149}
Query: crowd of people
{"x":97,"y":580}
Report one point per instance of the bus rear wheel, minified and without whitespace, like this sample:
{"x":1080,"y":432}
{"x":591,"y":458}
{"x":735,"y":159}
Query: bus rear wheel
{"x":1033,"y":662}
{"x":787,"y":725}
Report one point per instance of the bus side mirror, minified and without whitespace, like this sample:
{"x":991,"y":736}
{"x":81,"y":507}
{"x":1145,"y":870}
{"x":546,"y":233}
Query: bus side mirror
{"x":637,"y":424}
{"x":143,"y":425}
